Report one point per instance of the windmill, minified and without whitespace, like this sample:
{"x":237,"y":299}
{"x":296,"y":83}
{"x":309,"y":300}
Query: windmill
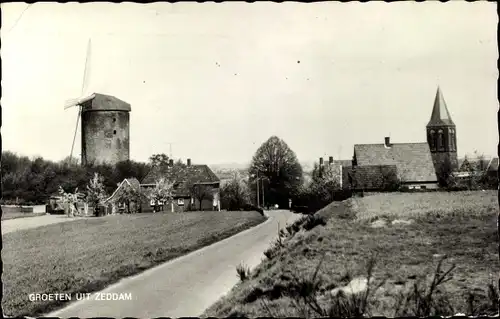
{"x":82,"y":98}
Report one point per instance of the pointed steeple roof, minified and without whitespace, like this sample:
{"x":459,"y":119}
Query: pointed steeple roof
{"x":440,"y":114}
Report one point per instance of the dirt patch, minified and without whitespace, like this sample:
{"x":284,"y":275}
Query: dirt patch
{"x":379,"y":223}
{"x":402,"y":222}
{"x":355,"y":286}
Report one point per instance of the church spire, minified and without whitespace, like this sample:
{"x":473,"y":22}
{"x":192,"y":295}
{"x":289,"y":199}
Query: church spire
{"x":440,"y":114}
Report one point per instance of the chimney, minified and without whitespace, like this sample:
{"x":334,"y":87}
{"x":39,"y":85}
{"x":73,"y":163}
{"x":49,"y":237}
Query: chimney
{"x":321,"y":161}
{"x":387,"y":141}
{"x":188,"y":162}
{"x":330,"y":160}
{"x":171,"y":163}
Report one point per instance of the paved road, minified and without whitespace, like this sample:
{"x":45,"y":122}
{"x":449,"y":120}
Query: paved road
{"x":16,"y":224}
{"x":188,"y":285}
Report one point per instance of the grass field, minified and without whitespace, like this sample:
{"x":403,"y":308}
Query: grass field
{"x":460,"y":225}
{"x":87,"y":255}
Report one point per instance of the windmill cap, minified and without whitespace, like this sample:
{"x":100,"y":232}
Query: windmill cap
{"x":103,"y":102}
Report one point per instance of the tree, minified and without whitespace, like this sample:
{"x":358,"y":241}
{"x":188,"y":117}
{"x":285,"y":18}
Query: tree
{"x":392,"y":179}
{"x":443,"y":172}
{"x":127,"y":169}
{"x":162,"y":192}
{"x":235,"y":194}
{"x":95,"y":191}
{"x":158,"y":160}
{"x":278,"y":164}
{"x":325,"y":180}
{"x":127,"y":194}
{"x":71,"y":161}
{"x":201,"y":192}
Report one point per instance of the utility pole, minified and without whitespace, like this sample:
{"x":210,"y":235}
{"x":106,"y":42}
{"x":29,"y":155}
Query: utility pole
{"x":258,"y":194}
{"x":263,"y":201}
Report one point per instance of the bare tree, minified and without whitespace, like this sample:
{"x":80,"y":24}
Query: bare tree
{"x":235,"y":194}
{"x":201,"y":192}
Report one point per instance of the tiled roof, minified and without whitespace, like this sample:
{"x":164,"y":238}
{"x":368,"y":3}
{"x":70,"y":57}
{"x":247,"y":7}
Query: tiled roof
{"x":194,"y":174}
{"x":413,"y":160}
{"x":128,"y":182}
{"x":440,"y":114}
{"x":134,"y":183}
{"x":369,"y":177}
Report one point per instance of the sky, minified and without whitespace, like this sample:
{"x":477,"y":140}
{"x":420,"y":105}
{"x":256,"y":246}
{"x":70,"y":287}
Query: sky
{"x":217,"y":80}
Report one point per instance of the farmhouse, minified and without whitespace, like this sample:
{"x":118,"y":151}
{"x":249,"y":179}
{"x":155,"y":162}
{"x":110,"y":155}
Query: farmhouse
{"x":196,"y":187}
{"x":121,"y":201}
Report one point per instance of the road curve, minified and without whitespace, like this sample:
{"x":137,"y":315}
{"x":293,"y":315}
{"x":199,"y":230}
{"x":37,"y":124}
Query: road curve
{"x":186,"y":286}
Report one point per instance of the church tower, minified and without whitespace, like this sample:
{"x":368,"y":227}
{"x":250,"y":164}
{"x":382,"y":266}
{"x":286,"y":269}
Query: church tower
{"x":442,"y":135}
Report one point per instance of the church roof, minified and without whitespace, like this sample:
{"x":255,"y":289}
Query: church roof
{"x":440,"y":114}
{"x":413,"y":160}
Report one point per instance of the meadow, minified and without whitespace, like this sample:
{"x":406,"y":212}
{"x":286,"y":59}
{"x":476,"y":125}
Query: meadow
{"x":87,"y":255}
{"x":392,"y":254}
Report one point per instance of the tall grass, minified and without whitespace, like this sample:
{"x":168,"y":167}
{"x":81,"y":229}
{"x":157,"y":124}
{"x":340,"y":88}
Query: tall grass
{"x":424,"y":299}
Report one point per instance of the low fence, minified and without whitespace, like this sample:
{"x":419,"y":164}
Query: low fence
{"x":35,"y":209}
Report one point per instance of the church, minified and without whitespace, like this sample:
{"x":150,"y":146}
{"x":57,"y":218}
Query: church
{"x":411,"y":165}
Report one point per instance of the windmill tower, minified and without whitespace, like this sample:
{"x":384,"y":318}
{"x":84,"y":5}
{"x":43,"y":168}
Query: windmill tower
{"x":105,"y":128}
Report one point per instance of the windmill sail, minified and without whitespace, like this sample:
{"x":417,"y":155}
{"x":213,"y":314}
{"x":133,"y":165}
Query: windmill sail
{"x":85,"y":83}
{"x":86,"y":72}
{"x":77,"y":102}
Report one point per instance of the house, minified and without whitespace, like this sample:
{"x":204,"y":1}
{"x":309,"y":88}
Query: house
{"x":410,"y":163}
{"x":117,"y":204}
{"x":339,"y":167}
{"x":370,"y":178}
{"x":196,"y":187}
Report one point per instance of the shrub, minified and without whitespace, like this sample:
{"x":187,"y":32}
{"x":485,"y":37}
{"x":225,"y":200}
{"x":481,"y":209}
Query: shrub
{"x":249,"y":207}
{"x":313,"y":221}
{"x":243,"y":272}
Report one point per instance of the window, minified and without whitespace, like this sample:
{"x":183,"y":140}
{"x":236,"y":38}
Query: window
{"x":114,"y":132}
{"x":423,"y":187}
{"x":114,"y":119}
{"x":452,"y":140}
{"x":180,"y":202}
{"x":440,"y":143}
{"x":432,"y":139}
